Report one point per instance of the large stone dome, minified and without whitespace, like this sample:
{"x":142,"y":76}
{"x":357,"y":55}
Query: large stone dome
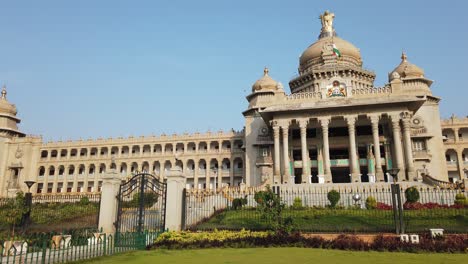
{"x":313,"y":54}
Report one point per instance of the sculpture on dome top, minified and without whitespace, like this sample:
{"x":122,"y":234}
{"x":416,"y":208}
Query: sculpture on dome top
{"x":327,"y":21}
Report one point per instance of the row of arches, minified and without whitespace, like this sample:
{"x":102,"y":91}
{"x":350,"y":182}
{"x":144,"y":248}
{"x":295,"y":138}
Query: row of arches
{"x":147,"y":149}
{"x":190,"y":167}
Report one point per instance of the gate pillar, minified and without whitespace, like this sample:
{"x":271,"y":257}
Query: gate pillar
{"x":175,"y":187}
{"x":108,"y":209}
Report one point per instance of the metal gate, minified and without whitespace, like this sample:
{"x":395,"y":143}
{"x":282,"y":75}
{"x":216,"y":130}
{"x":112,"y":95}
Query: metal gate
{"x":141,"y":213}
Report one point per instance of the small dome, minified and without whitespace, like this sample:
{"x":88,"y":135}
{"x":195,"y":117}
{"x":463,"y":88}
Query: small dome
{"x":266,"y":83}
{"x":313,"y":54}
{"x":5,"y":106}
{"x":407,"y":69}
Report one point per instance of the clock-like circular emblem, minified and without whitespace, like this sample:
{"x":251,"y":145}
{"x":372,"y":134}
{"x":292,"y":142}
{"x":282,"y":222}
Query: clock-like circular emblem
{"x":264,"y":131}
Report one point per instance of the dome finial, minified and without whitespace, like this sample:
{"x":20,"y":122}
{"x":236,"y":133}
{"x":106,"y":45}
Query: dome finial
{"x":4,"y":92}
{"x":403,"y":56}
{"x":266,"y":71}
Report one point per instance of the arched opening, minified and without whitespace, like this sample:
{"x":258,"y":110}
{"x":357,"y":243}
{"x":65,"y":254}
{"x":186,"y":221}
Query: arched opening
{"x":54,"y":153}
{"x":61,"y":170}
{"x":41,"y":171}
{"x":226,"y":145}
{"x":157,"y":168}
{"x":73,"y":153}
{"x":63,"y":153}
{"x":135,"y":150}
{"x":146,"y":149}
{"x":179,"y":165}
{"x":190,"y":167}
{"x":51,"y":170}
{"x":104,"y":152}
{"x":214,"y":145}
{"x":83,"y":152}
{"x":448,"y":135}
{"x":44,"y":154}
{"x":180,"y":148}
{"x":145,"y":167}
{"x":202,"y":147}
{"x":102,"y":168}
{"x":125,"y":151}
{"x":93,"y":152}
{"x":123,"y":168}
{"x":81,"y":169}
{"x":168,"y":148}
{"x":191,"y":147}
{"x":157,"y":149}
{"x":71,"y":170}
{"x":92,"y":169}
{"x":114,"y":150}
{"x":167,"y":167}
{"x":134,"y":167}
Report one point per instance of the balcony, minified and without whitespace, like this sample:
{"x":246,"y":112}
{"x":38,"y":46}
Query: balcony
{"x":422,"y":155}
{"x":264,"y":160}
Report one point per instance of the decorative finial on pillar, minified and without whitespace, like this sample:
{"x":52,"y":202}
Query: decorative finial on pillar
{"x":4,"y":92}
{"x":266,"y":71}
{"x":403,"y":56}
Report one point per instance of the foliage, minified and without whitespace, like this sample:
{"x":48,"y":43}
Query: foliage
{"x":412,"y":195}
{"x":334,"y":197}
{"x":460,"y":199}
{"x":149,"y":199}
{"x":84,"y":200}
{"x":271,"y":208}
{"x":371,"y":203}
{"x":383,"y":206}
{"x":238,"y":203}
{"x":245,"y":239}
{"x":297,"y":204}
{"x":342,"y":220}
{"x":12,"y":212}
{"x":420,"y":206}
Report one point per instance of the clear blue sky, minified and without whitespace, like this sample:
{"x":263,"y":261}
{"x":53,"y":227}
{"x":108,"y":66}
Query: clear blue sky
{"x":117,"y":68}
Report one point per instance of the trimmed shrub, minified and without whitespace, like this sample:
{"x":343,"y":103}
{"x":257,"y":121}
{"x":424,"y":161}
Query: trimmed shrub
{"x":297,"y":204}
{"x":84,"y":201}
{"x":238,"y":203}
{"x":460,"y":199}
{"x":412,"y":195}
{"x":371,"y":203}
{"x":334,"y":197}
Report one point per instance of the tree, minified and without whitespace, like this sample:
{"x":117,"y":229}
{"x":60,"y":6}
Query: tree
{"x":15,"y":210}
{"x":271,"y":208}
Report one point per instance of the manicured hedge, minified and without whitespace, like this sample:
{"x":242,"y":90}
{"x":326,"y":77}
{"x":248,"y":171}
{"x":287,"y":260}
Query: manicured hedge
{"x":247,"y":239}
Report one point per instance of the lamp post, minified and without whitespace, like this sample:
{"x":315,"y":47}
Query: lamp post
{"x":27,"y":203}
{"x":394,"y":173}
{"x":215,"y":176}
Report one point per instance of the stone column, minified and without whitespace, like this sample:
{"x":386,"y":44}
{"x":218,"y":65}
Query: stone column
{"x":285,"y":130}
{"x":354,"y":163}
{"x":175,"y":187}
{"x":195,"y":174}
{"x":395,"y":118}
{"x":460,"y":164}
{"x":411,"y":172}
{"x":304,"y":151}
{"x":376,"y":142}
{"x":220,"y":173}
{"x":207,"y":175}
{"x":324,"y":122}
{"x":231,"y":172}
{"x":277,"y":165}
{"x":109,"y":203}
{"x":455,"y":134}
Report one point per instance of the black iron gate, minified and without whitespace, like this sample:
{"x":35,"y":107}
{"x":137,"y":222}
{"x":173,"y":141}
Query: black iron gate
{"x":141,"y":210}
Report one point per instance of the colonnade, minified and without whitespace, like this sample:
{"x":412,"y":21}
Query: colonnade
{"x":282,"y":126}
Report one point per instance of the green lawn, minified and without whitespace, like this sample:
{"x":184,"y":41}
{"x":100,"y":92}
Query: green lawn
{"x":342,"y":220}
{"x":278,"y":255}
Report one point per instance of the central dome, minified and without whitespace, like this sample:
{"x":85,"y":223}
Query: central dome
{"x":313,"y":55}
{"x":329,"y":49}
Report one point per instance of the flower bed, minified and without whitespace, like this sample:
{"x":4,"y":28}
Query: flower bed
{"x":247,"y":239}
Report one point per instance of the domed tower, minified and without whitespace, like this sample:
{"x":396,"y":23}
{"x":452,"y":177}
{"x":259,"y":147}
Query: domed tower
{"x":8,"y":120}
{"x":408,"y":78}
{"x":258,"y":137}
{"x":330,"y":57}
